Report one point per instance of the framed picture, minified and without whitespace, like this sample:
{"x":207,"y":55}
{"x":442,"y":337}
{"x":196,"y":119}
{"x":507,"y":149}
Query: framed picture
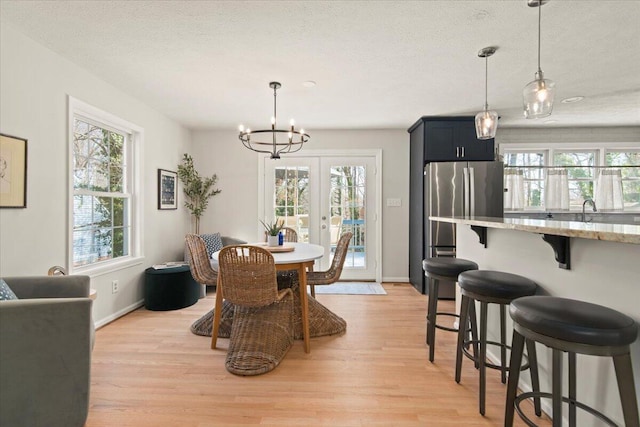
{"x":167,"y":189}
{"x":13,"y":172}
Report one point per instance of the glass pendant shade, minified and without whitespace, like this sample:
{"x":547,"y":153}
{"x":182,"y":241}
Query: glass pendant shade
{"x":538,"y":97}
{"x":486,"y":120}
{"x":486,"y":124}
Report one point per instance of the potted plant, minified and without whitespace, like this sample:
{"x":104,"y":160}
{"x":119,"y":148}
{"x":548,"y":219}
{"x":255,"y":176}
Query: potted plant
{"x":197,"y":189}
{"x":273,"y":231}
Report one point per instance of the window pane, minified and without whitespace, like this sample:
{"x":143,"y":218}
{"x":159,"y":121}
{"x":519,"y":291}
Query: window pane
{"x":101,"y":222}
{"x":630,"y":171}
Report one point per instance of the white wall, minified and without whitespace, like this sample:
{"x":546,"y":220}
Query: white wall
{"x":544,"y":137}
{"x":602,"y":272}
{"x":235,"y":211}
{"x":34,"y":84}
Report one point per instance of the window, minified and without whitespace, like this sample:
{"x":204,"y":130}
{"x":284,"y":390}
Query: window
{"x":531,"y":164}
{"x":581,"y":171}
{"x":629,"y":164}
{"x":104,"y":195}
{"x":587,"y":168}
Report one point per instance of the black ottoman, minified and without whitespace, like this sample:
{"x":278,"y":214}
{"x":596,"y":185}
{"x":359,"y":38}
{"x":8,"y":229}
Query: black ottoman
{"x":170,"y":288}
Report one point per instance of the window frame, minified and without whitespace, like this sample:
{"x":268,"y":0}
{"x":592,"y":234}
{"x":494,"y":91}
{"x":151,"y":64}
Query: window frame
{"x":600,"y":149}
{"x":133,"y":176}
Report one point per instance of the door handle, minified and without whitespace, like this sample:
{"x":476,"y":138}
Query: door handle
{"x":457,"y":151}
{"x":462,"y":151}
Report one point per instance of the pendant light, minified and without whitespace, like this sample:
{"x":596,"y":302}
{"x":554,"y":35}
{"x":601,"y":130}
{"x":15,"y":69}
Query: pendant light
{"x":538,"y":95}
{"x":486,"y":120}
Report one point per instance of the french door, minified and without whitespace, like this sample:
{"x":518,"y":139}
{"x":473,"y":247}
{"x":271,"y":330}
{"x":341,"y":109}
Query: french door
{"x":322,"y":197}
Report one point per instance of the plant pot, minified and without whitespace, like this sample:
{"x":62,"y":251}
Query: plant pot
{"x":272,"y":240}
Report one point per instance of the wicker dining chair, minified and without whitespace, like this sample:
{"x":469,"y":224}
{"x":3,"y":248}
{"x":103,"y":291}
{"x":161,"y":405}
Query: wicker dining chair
{"x":332,"y":275}
{"x":262,"y":330}
{"x":290,"y":234}
{"x":203,"y":273}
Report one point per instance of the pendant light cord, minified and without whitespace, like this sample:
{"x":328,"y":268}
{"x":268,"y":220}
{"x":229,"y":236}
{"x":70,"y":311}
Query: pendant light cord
{"x":539,"y":32}
{"x":486,"y":82}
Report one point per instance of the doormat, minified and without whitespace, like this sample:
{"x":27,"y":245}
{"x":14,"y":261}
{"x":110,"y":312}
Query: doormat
{"x":352,"y":288}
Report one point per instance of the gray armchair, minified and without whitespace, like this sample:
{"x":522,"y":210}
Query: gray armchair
{"x":46,"y":337}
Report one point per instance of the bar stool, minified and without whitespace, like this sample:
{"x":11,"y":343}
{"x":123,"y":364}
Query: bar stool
{"x":493,"y":287}
{"x":437,"y":269}
{"x":572,"y":326}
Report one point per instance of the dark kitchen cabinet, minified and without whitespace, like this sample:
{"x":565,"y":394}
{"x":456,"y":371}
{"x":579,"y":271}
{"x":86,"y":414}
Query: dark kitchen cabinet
{"x":435,"y":139}
{"x":452,"y":139}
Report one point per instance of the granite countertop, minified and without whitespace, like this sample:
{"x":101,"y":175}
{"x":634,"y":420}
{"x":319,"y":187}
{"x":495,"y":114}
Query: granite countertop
{"x":623,"y":233}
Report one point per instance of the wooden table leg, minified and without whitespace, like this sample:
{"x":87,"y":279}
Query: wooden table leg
{"x":217,"y":314}
{"x":304,"y":302}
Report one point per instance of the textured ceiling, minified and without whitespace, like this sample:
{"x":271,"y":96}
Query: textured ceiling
{"x":382,"y":64}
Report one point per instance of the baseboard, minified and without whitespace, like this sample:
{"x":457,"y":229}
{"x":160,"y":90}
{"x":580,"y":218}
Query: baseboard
{"x":404,"y":279}
{"x":118,"y":314}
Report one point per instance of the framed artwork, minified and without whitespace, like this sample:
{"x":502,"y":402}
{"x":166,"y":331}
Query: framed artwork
{"x":167,"y":189}
{"x":13,"y":172}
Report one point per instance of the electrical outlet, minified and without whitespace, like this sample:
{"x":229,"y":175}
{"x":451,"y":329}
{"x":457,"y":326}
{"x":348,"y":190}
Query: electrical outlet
{"x":394,"y":202}
{"x":114,"y":286}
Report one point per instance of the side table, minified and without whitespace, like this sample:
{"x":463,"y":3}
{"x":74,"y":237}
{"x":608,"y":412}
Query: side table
{"x":170,"y":288}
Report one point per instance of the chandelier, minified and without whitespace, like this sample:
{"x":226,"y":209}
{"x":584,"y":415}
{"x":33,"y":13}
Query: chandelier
{"x":274,"y":141}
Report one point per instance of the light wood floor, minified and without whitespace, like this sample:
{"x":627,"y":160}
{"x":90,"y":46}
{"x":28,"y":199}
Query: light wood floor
{"x":150,"y":370}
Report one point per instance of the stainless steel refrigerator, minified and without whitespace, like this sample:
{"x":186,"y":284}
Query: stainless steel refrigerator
{"x":459,"y":189}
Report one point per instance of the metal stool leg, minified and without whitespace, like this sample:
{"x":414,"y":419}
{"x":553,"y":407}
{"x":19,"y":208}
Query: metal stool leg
{"x":572,"y":389}
{"x":517,"y":346}
{"x":556,"y":388}
{"x":464,"y":314}
{"x":474,"y":332}
{"x":503,"y":341}
{"x":533,"y":371}
{"x":433,"y":303}
{"x":483,"y":354}
{"x":624,"y":374}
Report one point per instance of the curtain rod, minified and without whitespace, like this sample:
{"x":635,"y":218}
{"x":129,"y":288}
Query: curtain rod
{"x":559,"y":167}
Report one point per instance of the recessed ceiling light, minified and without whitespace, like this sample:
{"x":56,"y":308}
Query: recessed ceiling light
{"x":572,"y":99}
{"x":309,"y":83}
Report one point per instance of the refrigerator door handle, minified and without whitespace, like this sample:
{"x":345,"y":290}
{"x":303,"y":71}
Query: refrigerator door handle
{"x":472,"y":192}
{"x":466,"y":192}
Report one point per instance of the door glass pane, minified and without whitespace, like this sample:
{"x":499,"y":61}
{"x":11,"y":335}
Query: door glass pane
{"x":347,"y":209}
{"x":291,"y":199}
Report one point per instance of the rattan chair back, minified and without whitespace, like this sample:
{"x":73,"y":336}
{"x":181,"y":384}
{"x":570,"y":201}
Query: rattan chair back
{"x":332,"y":274}
{"x":201,"y":269}
{"x":290,"y":235}
{"x":248,"y":275}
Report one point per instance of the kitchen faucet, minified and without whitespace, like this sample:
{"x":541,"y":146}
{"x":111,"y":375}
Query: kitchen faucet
{"x":593,"y":205}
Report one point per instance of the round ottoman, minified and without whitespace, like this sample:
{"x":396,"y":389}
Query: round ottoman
{"x":170,"y":288}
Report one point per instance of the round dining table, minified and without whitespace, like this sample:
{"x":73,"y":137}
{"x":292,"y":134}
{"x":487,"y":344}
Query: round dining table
{"x":301,"y":259}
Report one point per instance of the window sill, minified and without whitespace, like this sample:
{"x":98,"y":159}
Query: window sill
{"x":107,"y":267}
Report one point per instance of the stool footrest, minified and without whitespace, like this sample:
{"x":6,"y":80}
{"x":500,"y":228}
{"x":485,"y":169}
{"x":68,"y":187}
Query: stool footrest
{"x":446,"y":328}
{"x":466,"y":352}
{"x":544,"y":395}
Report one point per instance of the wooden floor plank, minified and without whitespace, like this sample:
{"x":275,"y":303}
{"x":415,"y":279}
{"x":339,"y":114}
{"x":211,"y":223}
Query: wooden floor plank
{"x":148,"y":369}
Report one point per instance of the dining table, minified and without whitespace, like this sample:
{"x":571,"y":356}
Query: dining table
{"x":290,"y":256}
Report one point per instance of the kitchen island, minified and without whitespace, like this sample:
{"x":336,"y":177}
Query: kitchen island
{"x":602,"y":266}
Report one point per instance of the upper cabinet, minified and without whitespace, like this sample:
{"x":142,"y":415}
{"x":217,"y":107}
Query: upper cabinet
{"x":451,"y":139}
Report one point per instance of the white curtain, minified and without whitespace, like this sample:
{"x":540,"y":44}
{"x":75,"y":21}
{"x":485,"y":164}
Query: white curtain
{"x":514,"y":183}
{"x":608,"y":191}
{"x":556,"y":189}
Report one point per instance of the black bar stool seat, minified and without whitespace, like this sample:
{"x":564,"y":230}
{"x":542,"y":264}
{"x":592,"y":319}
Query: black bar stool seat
{"x":571,"y":326}
{"x":493,"y":287}
{"x":441,"y":269}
